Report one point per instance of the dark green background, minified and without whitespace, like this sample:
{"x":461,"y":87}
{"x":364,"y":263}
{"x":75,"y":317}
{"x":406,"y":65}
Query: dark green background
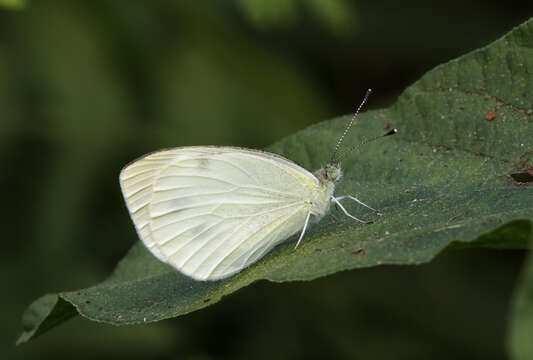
{"x":85,"y":87}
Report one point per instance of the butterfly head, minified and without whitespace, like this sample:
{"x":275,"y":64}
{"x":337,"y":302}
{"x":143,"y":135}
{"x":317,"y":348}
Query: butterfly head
{"x":329,"y":173}
{"x":333,"y":172}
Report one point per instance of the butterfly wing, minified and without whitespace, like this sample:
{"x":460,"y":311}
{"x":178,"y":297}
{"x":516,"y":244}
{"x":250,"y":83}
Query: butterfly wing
{"x":212,"y":211}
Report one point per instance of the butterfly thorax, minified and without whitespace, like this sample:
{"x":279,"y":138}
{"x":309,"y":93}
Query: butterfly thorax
{"x":327,"y":177}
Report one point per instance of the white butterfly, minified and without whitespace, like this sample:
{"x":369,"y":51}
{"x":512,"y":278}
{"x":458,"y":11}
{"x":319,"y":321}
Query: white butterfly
{"x":212,"y":211}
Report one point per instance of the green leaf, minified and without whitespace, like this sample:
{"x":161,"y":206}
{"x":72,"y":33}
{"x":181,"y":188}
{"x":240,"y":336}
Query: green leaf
{"x":445,"y":181}
{"x":43,"y":314}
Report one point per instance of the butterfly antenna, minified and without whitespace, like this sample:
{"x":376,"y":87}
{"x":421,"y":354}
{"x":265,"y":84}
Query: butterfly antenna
{"x":391,"y":132}
{"x":339,"y":142}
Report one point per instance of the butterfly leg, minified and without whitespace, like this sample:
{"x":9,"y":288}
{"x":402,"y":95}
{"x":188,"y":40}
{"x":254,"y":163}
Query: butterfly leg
{"x":359,"y":202}
{"x":336,"y":201}
{"x":303,"y":230}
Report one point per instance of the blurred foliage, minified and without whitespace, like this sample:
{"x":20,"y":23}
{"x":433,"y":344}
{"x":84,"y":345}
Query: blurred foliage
{"x":86,"y":87}
{"x":521,"y":325}
{"x":13,"y":4}
{"x":336,"y":16}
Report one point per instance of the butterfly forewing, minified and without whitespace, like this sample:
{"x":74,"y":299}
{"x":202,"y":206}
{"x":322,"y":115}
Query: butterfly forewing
{"x":211,"y":211}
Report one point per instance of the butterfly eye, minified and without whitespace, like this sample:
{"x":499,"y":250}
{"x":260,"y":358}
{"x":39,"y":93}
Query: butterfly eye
{"x":333,"y":172}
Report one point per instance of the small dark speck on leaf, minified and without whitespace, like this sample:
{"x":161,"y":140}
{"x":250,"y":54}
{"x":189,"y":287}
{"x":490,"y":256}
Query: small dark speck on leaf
{"x":318,"y":250}
{"x":207,"y":300}
{"x":490,"y":116}
{"x":360,"y":251}
{"x":524,"y":177}
{"x":87,"y":302}
{"x":524,"y":173}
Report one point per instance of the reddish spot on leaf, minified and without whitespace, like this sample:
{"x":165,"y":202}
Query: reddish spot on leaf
{"x":490,"y":116}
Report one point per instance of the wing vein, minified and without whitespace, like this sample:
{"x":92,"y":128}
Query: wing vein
{"x":191,"y":196}
{"x":191,"y":239}
{"x":229,"y":163}
{"x":196,"y":176}
{"x":224,"y":217}
{"x":262,"y":227}
{"x":238,"y":244}
{"x":185,"y":219}
{"x":214,"y":202}
{"x":238,"y":227}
